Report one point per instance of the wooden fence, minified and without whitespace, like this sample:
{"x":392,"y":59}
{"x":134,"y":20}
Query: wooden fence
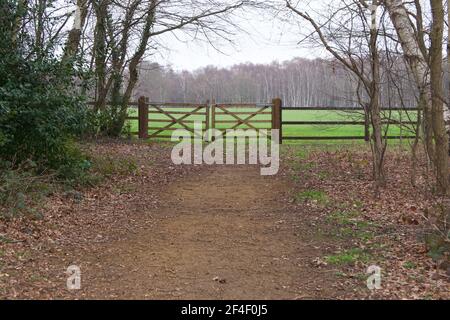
{"x":365,"y":124}
{"x":156,"y":119}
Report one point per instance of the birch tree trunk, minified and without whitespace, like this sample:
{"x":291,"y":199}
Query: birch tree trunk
{"x":73,"y":40}
{"x":417,"y":63}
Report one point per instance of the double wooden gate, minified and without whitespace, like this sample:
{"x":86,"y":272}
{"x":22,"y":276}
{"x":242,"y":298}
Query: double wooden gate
{"x":159,"y":120}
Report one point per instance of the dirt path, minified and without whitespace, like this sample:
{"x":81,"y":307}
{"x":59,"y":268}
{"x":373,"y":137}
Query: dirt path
{"x":152,"y":230}
{"x":223,"y":234}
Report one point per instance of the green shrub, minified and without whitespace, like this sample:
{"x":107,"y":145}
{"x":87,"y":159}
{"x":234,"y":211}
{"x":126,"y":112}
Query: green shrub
{"x":42,"y":112}
{"x":75,"y":169}
{"x":41,"y":107}
{"x":38,"y":112}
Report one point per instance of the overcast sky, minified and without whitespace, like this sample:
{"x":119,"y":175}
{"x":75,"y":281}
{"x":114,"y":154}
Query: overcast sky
{"x":263,"y":41}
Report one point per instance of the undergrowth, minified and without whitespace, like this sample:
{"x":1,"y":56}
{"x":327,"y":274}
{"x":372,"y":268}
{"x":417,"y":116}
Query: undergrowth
{"x":24,"y":187}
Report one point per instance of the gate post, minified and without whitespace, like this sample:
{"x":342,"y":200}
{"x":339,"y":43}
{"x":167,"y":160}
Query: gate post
{"x":143,"y":117}
{"x":207,"y":121}
{"x":277,"y":117}
{"x":213,"y":118}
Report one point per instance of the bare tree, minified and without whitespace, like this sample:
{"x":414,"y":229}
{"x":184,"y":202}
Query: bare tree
{"x":437,"y":110}
{"x":125,"y":33}
{"x":426,"y":66}
{"x":345,"y":42}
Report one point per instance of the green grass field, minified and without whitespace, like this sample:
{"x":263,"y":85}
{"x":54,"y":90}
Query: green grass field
{"x":290,"y":130}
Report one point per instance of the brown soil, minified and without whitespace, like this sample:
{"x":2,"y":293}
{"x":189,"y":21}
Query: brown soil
{"x":223,"y":234}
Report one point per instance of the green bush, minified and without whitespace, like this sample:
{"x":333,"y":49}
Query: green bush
{"x":42,"y":114}
{"x":111,"y":121}
{"x":41,"y":109}
{"x":38,"y":111}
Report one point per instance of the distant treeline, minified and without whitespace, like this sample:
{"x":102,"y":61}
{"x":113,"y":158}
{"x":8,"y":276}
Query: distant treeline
{"x":299,"y":82}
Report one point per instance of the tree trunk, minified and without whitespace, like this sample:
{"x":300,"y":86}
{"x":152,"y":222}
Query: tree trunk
{"x":439,"y":130}
{"x":21,"y":11}
{"x":100,"y":52}
{"x":375,"y":109}
{"x":73,"y":41}
{"x":42,"y":4}
{"x":416,"y":61}
{"x":447,"y":109}
{"x":137,"y":57}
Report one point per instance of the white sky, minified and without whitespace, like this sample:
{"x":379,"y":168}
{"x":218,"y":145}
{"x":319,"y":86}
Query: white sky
{"x":263,"y":41}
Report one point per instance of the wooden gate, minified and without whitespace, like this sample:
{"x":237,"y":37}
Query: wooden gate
{"x":257,"y":117}
{"x":156,"y":120}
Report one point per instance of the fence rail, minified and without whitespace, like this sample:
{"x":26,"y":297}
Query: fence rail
{"x":157,"y":118}
{"x":366,"y":124}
